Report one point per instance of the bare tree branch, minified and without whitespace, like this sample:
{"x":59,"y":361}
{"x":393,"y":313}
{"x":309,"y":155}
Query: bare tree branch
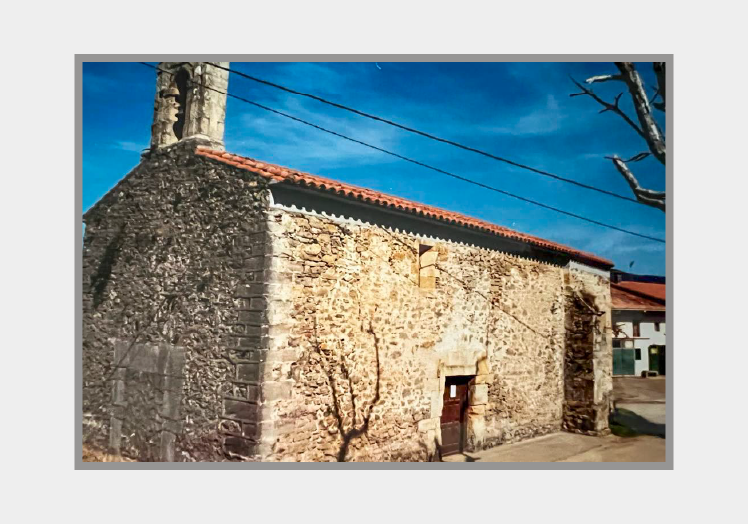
{"x":650,"y":130}
{"x":603,"y":78}
{"x":647,"y":127}
{"x":653,"y":101}
{"x":635,"y":158}
{"x":647,"y":196}
{"x":607,"y":106}
{"x":659,"y":69}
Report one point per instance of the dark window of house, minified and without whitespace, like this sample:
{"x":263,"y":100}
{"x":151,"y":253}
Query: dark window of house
{"x":638,"y":353}
{"x":657,"y":326}
{"x":636,"y":329}
{"x":617,"y":343}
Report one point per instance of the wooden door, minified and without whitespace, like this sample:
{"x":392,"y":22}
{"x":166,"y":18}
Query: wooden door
{"x":662,"y":360}
{"x":654,"y":358}
{"x":453,"y":414}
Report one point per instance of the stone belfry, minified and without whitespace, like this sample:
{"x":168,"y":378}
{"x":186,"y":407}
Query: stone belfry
{"x":190,"y":103}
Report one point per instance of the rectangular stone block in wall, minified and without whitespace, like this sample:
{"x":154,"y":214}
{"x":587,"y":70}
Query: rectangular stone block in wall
{"x":147,"y":387}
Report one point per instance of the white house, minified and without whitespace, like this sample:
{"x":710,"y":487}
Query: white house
{"x":638,"y":327}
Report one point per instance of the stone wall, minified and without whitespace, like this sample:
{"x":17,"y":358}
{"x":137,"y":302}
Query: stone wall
{"x":366,"y":322}
{"x":589,"y":353}
{"x":173,"y":263}
{"x":216,"y":328}
{"x":147,"y":385}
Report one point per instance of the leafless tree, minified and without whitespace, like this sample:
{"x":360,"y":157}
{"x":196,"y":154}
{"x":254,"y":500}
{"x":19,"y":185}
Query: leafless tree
{"x":647,"y":127}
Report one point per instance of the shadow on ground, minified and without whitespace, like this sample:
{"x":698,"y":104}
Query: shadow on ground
{"x":626,"y":423}
{"x":437,"y":456}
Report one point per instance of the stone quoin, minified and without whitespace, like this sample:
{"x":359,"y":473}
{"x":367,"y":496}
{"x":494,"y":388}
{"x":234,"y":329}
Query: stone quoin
{"x":238,"y":310}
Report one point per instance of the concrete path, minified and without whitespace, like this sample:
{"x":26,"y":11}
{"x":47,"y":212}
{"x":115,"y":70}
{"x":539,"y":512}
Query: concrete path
{"x":653,"y":412}
{"x":569,"y":447}
{"x":640,"y":404}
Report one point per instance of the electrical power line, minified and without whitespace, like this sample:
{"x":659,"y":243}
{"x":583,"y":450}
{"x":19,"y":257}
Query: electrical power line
{"x":428,"y":135}
{"x":416,"y":162}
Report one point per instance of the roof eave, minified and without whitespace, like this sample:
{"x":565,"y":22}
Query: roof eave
{"x":275,"y":176}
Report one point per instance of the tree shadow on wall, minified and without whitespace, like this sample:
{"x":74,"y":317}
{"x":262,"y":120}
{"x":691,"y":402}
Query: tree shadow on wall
{"x":338,"y":406}
{"x":103,"y":274}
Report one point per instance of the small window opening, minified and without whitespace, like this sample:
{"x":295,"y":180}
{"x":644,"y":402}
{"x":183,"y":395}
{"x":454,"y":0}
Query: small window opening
{"x":636,"y":330}
{"x":427,"y":256}
{"x":638,"y":352}
{"x":657,"y":326}
{"x":181,"y":80}
{"x":617,"y":343}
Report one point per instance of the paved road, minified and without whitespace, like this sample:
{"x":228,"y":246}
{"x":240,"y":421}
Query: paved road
{"x":637,"y":389}
{"x":570,"y":447}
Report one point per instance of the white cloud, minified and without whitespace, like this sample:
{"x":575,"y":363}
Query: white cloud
{"x":615,"y":243}
{"x":298,"y":143}
{"x":541,"y":120}
{"x":126,"y":145}
{"x":593,"y":156}
{"x":621,"y":248}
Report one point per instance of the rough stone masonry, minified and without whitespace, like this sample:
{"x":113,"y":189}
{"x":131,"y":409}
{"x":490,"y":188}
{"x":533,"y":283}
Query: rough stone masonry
{"x":235,"y":310}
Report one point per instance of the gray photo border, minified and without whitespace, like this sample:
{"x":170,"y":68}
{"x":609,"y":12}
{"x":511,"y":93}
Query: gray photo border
{"x":78,"y":353}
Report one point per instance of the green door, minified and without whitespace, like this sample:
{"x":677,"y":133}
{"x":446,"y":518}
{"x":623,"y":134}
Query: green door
{"x":657,"y":359}
{"x":623,"y":361}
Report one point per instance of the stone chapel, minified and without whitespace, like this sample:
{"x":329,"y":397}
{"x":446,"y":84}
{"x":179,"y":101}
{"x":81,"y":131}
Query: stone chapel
{"x":240,"y":310}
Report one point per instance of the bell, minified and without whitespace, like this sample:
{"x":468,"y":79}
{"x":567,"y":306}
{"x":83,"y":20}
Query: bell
{"x":171,"y":91}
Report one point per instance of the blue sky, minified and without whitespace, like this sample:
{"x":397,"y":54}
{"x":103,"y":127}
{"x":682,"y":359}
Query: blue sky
{"x":520,"y":111}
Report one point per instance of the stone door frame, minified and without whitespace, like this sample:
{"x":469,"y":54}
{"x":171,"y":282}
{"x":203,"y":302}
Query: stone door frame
{"x":475,"y":417}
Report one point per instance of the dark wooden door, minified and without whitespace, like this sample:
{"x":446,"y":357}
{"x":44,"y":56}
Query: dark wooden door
{"x":453,"y":414}
{"x":657,"y":359}
{"x":662,"y":360}
{"x":654,"y":358}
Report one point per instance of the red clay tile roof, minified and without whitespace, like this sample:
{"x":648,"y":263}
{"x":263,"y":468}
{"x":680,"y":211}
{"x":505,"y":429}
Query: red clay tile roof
{"x":287,"y":175}
{"x":646,"y":288}
{"x":624,"y":298}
